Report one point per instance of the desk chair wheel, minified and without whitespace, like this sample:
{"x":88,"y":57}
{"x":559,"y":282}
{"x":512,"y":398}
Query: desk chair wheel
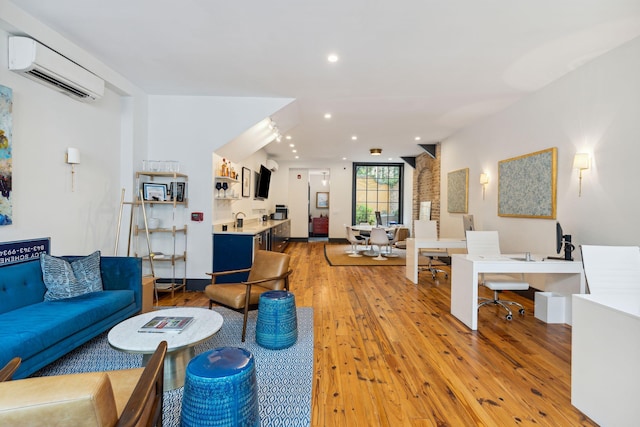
{"x":508,"y":317}
{"x":433,"y":275}
{"x":521,"y":311}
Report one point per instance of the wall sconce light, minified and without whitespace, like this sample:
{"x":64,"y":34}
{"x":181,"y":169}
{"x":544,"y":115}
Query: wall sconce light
{"x":73,"y":158}
{"x":375,"y":151}
{"x":580,"y":162}
{"x":484,"y":180}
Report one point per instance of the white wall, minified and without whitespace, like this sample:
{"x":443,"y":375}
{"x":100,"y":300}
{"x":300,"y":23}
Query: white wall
{"x":295,"y":194}
{"x":224,"y":210}
{"x":190,"y":129}
{"x":45,"y":123}
{"x":594,"y":109}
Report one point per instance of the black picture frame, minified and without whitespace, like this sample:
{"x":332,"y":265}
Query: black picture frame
{"x":154,"y":192}
{"x":246,"y":182}
{"x":178,"y":191}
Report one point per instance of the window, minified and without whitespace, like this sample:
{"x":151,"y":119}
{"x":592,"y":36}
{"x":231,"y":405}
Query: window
{"x":377,"y":187}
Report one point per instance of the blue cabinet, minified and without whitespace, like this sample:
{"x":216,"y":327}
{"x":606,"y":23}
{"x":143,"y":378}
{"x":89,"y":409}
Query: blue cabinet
{"x":232,"y":252}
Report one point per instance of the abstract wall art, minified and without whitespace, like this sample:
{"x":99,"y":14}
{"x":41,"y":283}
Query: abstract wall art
{"x":458,"y":191}
{"x":6,"y":104}
{"x":527,"y":185}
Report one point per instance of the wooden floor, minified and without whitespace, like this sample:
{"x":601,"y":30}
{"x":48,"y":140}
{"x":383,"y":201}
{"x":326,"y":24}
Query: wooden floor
{"x":389,"y":353}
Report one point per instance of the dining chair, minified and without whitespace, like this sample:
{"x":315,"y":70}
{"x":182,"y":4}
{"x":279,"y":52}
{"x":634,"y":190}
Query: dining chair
{"x":355,"y":240}
{"x":487,"y":243}
{"x":393,"y":239}
{"x":379,"y":238}
{"x":428,"y":229}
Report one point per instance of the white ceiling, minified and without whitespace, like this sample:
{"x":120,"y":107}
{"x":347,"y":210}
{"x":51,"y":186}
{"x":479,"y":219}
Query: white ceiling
{"x":407,"y":68}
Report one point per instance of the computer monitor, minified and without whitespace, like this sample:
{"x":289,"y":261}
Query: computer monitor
{"x":564,"y":239}
{"x":467,"y":223}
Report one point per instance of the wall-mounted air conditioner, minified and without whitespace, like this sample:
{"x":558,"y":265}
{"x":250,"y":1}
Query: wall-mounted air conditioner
{"x":272,"y":165}
{"x":39,"y":63}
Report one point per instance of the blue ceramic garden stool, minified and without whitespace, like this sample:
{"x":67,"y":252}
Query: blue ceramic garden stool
{"x":220,"y":389}
{"x":277,"y":324}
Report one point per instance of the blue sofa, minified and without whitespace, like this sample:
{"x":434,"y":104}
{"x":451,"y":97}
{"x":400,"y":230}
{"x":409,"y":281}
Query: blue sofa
{"x":40,"y":331}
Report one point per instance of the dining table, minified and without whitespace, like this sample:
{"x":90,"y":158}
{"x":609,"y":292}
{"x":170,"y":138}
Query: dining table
{"x":366,"y":228}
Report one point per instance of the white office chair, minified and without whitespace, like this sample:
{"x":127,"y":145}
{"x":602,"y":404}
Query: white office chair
{"x":429,"y":230}
{"x":379,"y":238}
{"x":487,"y":243}
{"x":611,"y":269}
{"x":355,"y":241}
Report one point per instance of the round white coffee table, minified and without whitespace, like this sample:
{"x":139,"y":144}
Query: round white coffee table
{"x":180,"y":346}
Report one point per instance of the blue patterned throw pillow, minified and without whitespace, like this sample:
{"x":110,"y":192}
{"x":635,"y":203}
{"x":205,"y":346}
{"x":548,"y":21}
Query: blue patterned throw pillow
{"x":65,"y":279}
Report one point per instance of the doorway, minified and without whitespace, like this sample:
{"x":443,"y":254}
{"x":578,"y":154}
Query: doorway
{"x":319,"y":191}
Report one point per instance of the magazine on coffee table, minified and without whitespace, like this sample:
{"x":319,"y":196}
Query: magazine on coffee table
{"x":161,"y":324}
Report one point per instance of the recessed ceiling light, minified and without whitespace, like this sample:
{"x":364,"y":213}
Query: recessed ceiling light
{"x":390,"y":158}
{"x":375,"y":151}
{"x":288,"y":136}
{"x":417,"y":138}
{"x":327,"y":115}
{"x":332,"y":58}
{"x":292,"y":145}
{"x":354,"y":137}
{"x":297,"y":157}
{"x":294,"y":151}
{"x":344,"y":158}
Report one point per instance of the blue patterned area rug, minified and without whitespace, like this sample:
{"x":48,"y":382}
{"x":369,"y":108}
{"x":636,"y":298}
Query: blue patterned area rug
{"x":284,"y":376}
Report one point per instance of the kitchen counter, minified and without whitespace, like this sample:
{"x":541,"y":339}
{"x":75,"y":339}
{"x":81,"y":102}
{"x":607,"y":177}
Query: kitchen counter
{"x":251,"y":227}
{"x":233,"y":249}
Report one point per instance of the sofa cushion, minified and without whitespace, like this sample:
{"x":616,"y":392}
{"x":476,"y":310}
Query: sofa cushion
{"x":42,"y":325}
{"x":21,"y":285}
{"x":65,"y":279}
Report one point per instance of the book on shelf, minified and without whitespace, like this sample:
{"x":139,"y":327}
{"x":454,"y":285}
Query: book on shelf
{"x":161,"y":324}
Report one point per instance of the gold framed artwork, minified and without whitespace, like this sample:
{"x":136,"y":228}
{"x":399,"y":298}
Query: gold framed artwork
{"x":322,"y":200}
{"x":527,"y":185}
{"x":458,"y":191}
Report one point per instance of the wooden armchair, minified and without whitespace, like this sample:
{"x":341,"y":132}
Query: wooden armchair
{"x":270,"y":271}
{"x":144,"y":407}
{"x":125,"y":398}
{"x":9,"y":369}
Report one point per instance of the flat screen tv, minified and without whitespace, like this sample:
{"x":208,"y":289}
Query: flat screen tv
{"x":262,"y":184}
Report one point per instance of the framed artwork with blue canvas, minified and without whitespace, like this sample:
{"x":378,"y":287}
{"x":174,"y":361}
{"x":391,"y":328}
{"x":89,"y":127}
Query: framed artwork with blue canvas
{"x":6,"y":103}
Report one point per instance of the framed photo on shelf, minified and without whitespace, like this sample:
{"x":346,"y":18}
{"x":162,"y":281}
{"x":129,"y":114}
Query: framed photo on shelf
{"x":154,"y":192}
{"x":322,"y":200}
{"x":246,"y":182}
{"x":178,"y":191}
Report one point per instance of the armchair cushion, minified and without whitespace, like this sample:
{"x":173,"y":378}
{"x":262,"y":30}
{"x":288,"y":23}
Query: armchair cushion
{"x":74,"y":400}
{"x":128,"y":397}
{"x":234,"y":296}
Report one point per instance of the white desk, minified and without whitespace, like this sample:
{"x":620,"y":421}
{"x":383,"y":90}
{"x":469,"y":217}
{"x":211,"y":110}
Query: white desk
{"x":415,"y":244}
{"x":566,"y":277}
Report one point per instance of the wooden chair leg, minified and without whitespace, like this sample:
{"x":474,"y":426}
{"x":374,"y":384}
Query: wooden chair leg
{"x":246,"y":312}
